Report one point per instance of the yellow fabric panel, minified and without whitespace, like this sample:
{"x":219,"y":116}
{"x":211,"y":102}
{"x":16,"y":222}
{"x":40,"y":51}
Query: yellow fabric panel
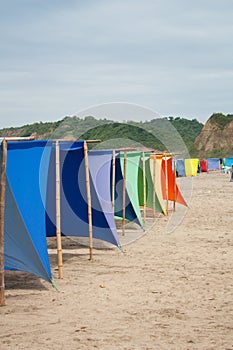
{"x":156,"y":178}
{"x":191,"y":166}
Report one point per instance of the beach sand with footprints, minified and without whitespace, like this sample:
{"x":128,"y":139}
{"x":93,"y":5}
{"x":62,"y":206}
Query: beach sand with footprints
{"x":170,"y":289}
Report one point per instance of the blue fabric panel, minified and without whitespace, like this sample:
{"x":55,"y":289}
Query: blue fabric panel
{"x":180,"y":167}
{"x":213,"y":164}
{"x":74,"y":207}
{"x":19,"y":250}
{"x":67,"y":146}
{"x":173,"y":164}
{"x":51,"y":197}
{"x":130,"y":214}
{"x":100,"y":176}
{"x":229,"y":162}
{"x":73,"y":201}
{"x":27,"y":168}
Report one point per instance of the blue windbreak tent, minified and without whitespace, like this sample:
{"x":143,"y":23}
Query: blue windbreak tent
{"x":213,"y":164}
{"x":180,"y":167}
{"x":130,"y":213}
{"x":74,"y":205}
{"x":25,"y":246}
{"x":228,"y":162}
{"x":100,"y":176}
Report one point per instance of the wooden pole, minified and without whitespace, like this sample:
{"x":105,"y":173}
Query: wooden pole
{"x":2,"y":210}
{"x":18,"y":138}
{"x":144,"y":186}
{"x":174,"y":203}
{"x":113,"y":179}
{"x":124,"y":193}
{"x":58,"y":212}
{"x":88,"y":189}
{"x":154,"y":179}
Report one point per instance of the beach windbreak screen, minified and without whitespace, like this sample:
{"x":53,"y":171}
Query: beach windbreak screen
{"x":74,"y":203}
{"x":25,"y":246}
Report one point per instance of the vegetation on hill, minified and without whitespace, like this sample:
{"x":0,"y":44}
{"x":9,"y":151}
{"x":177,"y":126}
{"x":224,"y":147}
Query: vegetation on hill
{"x":176,"y":131}
{"x":121,"y":135}
{"x":184,"y":136}
{"x":164,"y":134}
{"x":40,"y":129}
{"x":221,"y":120}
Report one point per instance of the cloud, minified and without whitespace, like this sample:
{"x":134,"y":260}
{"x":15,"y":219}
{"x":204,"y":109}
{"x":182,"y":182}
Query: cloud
{"x":60,"y":57}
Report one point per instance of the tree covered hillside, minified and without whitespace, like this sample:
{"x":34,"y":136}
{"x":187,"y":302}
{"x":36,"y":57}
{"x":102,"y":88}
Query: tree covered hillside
{"x":160,"y":134}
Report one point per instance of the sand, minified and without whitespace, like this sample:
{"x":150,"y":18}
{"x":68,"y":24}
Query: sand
{"x":167,"y":291}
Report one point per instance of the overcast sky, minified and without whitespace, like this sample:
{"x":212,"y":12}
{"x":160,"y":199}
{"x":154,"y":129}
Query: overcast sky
{"x":60,"y":57}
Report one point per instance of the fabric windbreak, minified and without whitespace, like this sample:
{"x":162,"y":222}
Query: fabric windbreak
{"x":130,"y":214}
{"x":100,"y":175}
{"x":191,"y":166}
{"x":132,"y":166}
{"x":25,"y":233}
{"x":203,"y":166}
{"x":213,"y":164}
{"x":228,"y":162}
{"x":180,"y":167}
{"x":74,"y":203}
{"x":150,"y":193}
{"x":170,"y":190}
{"x":156,"y":171}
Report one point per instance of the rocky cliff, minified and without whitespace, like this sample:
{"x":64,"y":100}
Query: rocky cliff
{"x":216,"y":137}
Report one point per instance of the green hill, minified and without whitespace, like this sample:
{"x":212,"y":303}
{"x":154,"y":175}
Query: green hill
{"x":164,"y":134}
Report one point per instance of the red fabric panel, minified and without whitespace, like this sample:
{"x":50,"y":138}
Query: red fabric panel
{"x":203,"y":165}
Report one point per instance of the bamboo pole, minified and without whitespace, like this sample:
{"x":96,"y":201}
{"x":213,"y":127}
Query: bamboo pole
{"x":174,"y":203}
{"x":88,"y":189}
{"x":74,"y":140}
{"x":124,"y":193}
{"x":2,"y":210}
{"x":144,"y":186}
{"x":58,"y":211}
{"x":113,"y":179}
{"x":18,"y":138}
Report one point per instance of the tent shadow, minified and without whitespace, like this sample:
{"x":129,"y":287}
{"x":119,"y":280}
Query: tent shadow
{"x":66,"y":257}
{"x":75,"y":247}
{"x":70,"y":249}
{"x":67,"y":243}
{"x":79,"y":243}
{"x":23,"y":281}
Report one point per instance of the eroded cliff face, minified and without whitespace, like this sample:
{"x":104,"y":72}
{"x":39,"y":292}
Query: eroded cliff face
{"x":215,"y":140}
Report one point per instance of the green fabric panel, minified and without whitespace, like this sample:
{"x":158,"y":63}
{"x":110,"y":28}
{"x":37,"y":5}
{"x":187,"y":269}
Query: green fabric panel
{"x":158,"y":206}
{"x":118,"y":218}
{"x":157,"y":186}
{"x":132,"y":166}
{"x":149,"y":186}
{"x":149,"y":182}
{"x":140,"y":184}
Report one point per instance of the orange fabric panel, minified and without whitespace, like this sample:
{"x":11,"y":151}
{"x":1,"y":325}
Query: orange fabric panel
{"x":168,"y":182}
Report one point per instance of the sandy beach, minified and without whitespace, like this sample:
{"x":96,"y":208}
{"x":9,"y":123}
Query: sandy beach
{"x":166,"y":291}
